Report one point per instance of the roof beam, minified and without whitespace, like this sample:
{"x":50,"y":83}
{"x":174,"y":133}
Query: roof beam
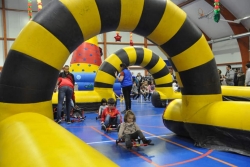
{"x":186,"y":3}
{"x":237,"y":29}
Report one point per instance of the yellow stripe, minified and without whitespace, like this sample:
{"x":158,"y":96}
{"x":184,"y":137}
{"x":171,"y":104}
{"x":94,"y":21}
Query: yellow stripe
{"x":93,"y":41}
{"x":115,"y":61}
{"x":128,"y":9}
{"x":241,"y":91}
{"x":198,"y":54}
{"x":39,"y":141}
{"x":146,"y":57}
{"x":104,"y":77}
{"x":87,"y":16}
{"x":131,"y":54}
{"x":40,"y":44}
{"x":234,"y":115}
{"x":158,"y":66}
{"x":9,"y":109}
{"x":83,"y":67}
{"x":173,"y":111}
{"x":221,"y":114}
{"x":172,"y":16}
{"x":163,"y":80}
{"x":89,"y":96}
{"x":193,"y":103}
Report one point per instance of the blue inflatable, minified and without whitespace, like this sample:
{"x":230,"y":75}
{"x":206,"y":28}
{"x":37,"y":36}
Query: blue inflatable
{"x":85,"y":82}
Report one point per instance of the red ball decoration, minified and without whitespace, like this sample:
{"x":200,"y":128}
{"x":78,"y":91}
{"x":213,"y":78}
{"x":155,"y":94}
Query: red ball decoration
{"x":131,"y":43}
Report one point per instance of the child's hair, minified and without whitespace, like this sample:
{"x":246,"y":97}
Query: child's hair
{"x":111,"y":101}
{"x":104,"y":101}
{"x":129,"y":112}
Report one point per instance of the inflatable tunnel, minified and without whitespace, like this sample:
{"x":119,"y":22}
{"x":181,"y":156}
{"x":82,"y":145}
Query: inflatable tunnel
{"x":31,"y":68}
{"x":85,"y":82}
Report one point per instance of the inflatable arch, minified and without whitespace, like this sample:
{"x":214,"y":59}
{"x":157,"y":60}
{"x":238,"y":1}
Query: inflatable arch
{"x":142,"y":57}
{"x":35,"y":58}
{"x":105,"y":78}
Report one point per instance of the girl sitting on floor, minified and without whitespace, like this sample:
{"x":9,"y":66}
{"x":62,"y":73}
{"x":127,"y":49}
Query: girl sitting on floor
{"x":130,"y":130}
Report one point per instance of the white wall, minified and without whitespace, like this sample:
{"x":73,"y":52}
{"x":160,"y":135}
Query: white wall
{"x":136,"y":71}
{"x":227,"y":52}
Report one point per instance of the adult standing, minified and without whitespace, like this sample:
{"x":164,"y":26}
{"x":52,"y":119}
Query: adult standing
{"x":247,"y":80}
{"x":65,"y":84}
{"x":125,"y":78}
{"x":229,"y":76}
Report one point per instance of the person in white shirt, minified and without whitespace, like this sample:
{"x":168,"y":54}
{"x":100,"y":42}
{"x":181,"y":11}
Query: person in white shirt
{"x":247,"y":80}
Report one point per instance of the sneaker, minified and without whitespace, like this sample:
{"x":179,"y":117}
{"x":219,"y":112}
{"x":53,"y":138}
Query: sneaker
{"x":145,"y":141}
{"x":104,"y":127}
{"x":59,"y":121}
{"x":68,"y":122}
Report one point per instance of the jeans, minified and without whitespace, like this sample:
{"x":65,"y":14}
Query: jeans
{"x":230,"y":83}
{"x":109,"y":121}
{"x":62,"y":92}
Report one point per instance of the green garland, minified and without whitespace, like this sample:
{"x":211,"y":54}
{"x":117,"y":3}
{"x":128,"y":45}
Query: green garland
{"x":216,"y":11}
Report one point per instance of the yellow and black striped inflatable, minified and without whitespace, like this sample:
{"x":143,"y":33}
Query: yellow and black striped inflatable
{"x":142,"y":57}
{"x":105,"y":78}
{"x":35,"y":58}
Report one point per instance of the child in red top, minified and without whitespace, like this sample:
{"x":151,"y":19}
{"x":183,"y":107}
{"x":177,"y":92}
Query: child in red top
{"x":110,"y":115}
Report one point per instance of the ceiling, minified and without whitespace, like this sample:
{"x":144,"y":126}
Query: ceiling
{"x":194,"y":9}
{"x":197,"y":8}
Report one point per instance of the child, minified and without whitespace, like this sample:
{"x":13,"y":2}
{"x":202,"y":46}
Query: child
{"x":151,"y":88}
{"x":144,"y":92}
{"x":134,"y":91}
{"x":175,"y":86}
{"x":110,"y":115}
{"x":130,"y":130}
{"x":102,"y":107}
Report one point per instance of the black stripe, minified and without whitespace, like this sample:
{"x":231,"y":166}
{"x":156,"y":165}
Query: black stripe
{"x":154,"y":60}
{"x":57,"y":19}
{"x":110,"y":13}
{"x":183,"y":39}
{"x":176,"y":126}
{"x":26,"y":80}
{"x":165,"y":85}
{"x":139,"y":55}
{"x":123,"y":56}
{"x":108,"y":68}
{"x":221,"y":138}
{"x":201,"y":80}
{"x":151,"y":16}
{"x":163,"y":72}
{"x":103,"y":85}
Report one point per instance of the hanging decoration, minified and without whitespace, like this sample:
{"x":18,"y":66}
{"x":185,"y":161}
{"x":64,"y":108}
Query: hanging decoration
{"x":216,"y":11}
{"x":30,"y":9}
{"x":131,"y":39}
{"x":39,"y":5}
{"x":117,"y":37}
